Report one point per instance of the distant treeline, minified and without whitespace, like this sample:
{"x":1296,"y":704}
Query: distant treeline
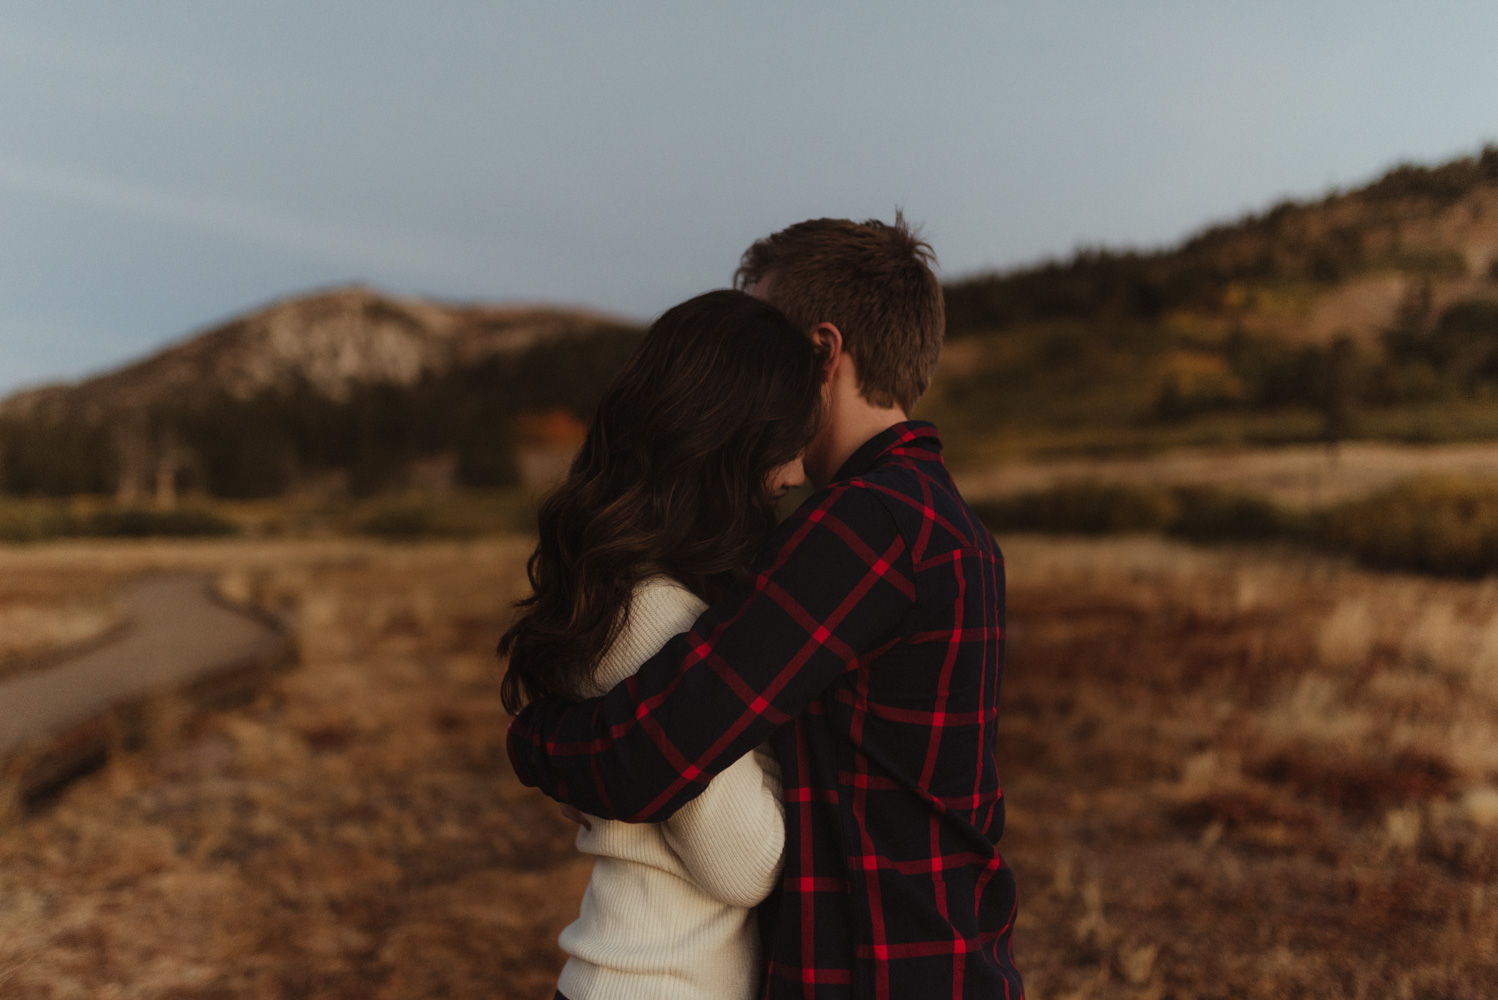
{"x":264,"y":445}
{"x":1319,"y":242}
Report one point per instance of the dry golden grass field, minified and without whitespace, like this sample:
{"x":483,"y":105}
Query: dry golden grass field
{"x":1229,"y":774}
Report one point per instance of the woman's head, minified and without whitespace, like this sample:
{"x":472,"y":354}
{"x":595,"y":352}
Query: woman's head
{"x":678,"y":474}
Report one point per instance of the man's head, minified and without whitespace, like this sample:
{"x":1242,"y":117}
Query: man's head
{"x":865,"y":295}
{"x":870,"y":280}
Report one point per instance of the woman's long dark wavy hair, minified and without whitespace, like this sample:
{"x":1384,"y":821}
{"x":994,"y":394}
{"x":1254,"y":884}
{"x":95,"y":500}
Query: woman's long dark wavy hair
{"x":672,"y":478}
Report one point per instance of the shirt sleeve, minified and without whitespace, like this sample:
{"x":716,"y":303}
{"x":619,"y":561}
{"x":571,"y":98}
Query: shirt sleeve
{"x":834,"y":585}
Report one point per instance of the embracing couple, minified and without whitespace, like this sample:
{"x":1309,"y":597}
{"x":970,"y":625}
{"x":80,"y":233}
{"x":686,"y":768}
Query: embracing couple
{"x":778,"y":739}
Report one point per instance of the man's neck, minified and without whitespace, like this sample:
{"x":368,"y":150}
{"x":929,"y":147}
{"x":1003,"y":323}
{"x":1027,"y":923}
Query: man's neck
{"x":846,"y":430}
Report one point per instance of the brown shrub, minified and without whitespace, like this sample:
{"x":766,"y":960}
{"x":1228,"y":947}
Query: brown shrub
{"x":1362,"y":786}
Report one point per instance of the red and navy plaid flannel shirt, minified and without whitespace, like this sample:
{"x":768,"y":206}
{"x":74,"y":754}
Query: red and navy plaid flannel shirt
{"x":866,"y":644}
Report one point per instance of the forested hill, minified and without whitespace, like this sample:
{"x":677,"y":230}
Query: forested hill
{"x":1366,"y":313}
{"x":1418,"y":226}
{"x":348,"y":385}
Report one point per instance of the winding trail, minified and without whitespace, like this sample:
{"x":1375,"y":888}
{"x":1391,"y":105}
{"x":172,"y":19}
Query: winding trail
{"x":178,"y":634}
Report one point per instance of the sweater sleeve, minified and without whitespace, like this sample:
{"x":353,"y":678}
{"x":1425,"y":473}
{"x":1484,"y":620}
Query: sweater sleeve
{"x":731,"y":838}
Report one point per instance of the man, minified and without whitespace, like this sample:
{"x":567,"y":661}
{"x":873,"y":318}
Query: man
{"x":865,"y":644}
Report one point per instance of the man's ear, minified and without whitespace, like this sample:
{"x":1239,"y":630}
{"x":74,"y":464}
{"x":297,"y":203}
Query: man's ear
{"x":828,"y":342}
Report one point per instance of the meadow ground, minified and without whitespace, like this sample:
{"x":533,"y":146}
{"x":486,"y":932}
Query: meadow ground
{"x":1229,"y":774}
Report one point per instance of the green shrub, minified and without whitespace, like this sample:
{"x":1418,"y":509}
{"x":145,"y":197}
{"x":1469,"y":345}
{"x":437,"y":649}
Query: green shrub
{"x":1205,"y":514}
{"x":1438,"y":525}
{"x":466,"y":513}
{"x":1195,"y":513}
{"x":402,"y":523}
{"x":29,"y":522}
{"x":1083,"y":506}
{"x":138,"y":522}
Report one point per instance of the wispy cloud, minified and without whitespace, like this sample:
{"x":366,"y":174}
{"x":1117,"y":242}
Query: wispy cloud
{"x":383,"y":253}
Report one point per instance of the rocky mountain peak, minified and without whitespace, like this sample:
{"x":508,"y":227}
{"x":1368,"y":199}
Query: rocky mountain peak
{"x":332,"y":340}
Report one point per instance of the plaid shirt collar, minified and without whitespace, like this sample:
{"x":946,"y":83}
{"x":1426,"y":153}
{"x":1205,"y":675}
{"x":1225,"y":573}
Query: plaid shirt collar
{"x":886,"y":441}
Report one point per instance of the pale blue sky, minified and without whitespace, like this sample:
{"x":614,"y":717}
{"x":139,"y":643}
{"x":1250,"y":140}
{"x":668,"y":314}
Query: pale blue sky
{"x":165,"y":164}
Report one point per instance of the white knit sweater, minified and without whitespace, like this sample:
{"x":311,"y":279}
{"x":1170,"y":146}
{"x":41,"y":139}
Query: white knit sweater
{"x":668,"y":911}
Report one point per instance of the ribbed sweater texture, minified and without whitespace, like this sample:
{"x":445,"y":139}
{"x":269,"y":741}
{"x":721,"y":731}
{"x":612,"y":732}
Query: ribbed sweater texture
{"x":668,"y":912}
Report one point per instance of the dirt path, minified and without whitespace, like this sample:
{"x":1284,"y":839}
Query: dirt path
{"x":177,"y":634}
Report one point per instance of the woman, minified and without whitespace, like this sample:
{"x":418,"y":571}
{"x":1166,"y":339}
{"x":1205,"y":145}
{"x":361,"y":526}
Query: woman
{"x":673,"y":492}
